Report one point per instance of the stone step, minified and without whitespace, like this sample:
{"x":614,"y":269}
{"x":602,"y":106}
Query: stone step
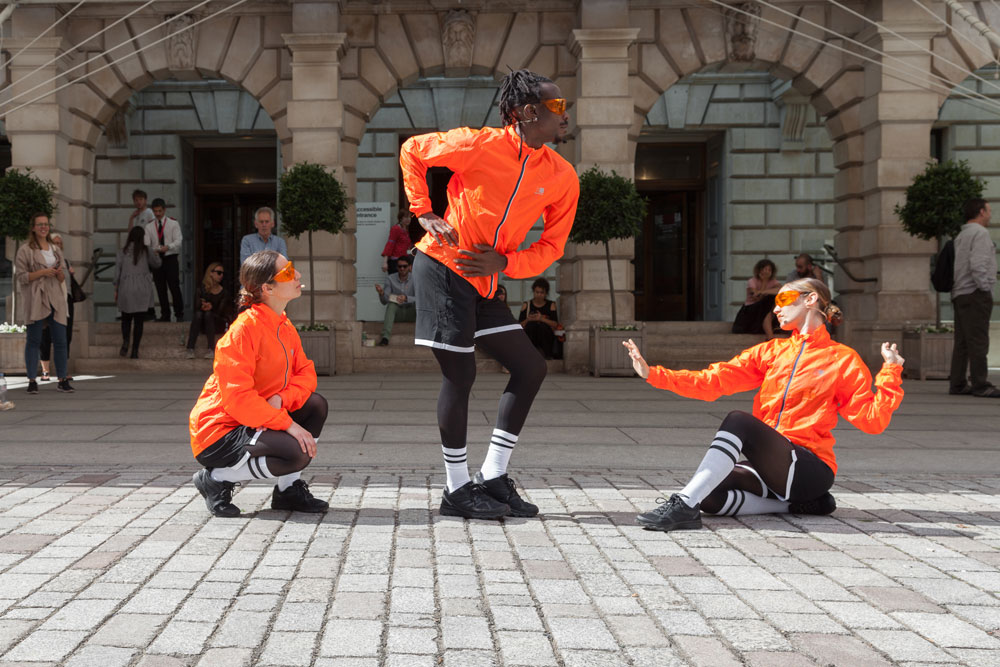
{"x":147,"y":350}
{"x":117,"y":365}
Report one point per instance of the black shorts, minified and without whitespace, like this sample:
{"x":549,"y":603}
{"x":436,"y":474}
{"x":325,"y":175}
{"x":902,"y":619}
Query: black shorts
{"x":231,"y":449}
{"x":808,"y":477}
{"x":451,"y":314}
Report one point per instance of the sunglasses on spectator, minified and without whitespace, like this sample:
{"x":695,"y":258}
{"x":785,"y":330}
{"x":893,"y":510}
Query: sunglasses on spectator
{"x":218,"y":271}
{"x":287,"y":274}
{"x":556,"y":105}
{"x":786,"y":298}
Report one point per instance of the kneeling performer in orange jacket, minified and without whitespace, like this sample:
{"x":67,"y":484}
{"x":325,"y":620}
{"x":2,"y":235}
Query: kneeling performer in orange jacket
{"x":259,"y":415}
{"x":805,"y":382}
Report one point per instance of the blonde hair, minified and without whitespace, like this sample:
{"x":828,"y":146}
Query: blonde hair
{"x":256,"y":271}
{"x":206,"y":280}
{"x":826,"y":307}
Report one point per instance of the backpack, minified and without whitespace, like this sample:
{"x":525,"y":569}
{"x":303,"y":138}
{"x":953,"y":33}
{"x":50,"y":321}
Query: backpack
{"x":943,"y":276}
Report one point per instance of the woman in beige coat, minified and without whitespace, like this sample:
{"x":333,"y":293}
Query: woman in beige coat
{"x":40,"y":278}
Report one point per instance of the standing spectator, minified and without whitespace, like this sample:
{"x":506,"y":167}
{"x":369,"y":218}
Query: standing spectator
{"x":212,"y":311}
{"x":399,"y":296}
{"x":972,"y":298}
{"x":39,"y":265}
{"x":164,"y":236}
{"x":45,"y":351}
{"x":539,"y":318}
{"x":263,"y":239}
{"x":805,"y":268}
{"x":142,"y":215}
{"x":134,"y":287}
{"x":757,"y":316}
{"x":399,"y":243}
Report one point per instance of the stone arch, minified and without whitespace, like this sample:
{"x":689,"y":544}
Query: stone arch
{"x":251,"y":55}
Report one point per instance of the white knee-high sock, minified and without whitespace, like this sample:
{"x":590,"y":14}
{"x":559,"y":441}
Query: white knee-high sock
{"x":456,"y":466}
{"x":254,"y":467}
{"x":739,"y":503}
{"x":718,"y":462}
{"x":501,"y":447}
{"x":286,"y":481}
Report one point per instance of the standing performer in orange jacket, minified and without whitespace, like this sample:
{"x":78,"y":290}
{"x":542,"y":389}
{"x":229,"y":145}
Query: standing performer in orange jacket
{"x":259,"y":415}
{"x":805,"y":382}
{"x":504,"y":179}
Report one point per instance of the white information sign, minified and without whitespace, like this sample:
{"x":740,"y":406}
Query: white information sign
{"x":374,"y":221}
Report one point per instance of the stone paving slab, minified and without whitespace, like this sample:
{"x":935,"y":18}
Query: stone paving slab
{"x":124,"y":566}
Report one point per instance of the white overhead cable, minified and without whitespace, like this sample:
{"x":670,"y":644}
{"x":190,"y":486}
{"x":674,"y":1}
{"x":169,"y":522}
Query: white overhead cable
{"x":108,"y":52}
{"x":960,"y":66}
{"x":76,"y":47}
{"x":125,"y":57}
{"x":44,"y":32}
{"x":911,"y":78}
{"x":989,"y":54}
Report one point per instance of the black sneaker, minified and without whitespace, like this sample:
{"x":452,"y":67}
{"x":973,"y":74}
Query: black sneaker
{"x":472,"y":501}
{"x":298,"y":498}
{"x":32,"y":387}
{"x":965,"y":389}
{"x":502,"y":488}
{"x":383,"y":342}
{"x":988,"y":392}
{"x":218,"y":495}
{"x":672,"y":514}
{"x":821,"y":506}
{"x":65,"y":386}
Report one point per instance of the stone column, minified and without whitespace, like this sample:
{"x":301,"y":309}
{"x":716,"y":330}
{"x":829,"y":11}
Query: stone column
{"x":603,"y":112}
{"x":39,"y":139}
{"x":315,"y":120}
{"x":874,"y":170}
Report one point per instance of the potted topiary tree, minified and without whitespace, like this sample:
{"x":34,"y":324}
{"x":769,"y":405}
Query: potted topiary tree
{"x":610,"y":208}
{"x":311,"y":199}
{"x":22,"y":194}
{"x":933,"y":210}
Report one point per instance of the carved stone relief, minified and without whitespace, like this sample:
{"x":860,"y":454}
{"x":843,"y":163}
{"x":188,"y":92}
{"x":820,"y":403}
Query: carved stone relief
{"x":458,"y":35}
{"x":742,"y":24}
{"x":181,"y":46}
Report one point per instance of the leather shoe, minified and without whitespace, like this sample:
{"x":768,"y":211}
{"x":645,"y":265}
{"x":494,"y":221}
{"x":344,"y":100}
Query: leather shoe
{"x":965,"y":389}
{"x":989,"y":392}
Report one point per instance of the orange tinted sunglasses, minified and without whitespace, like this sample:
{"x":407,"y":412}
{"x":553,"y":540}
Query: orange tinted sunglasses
{"x":786,"y":298}
{"x":287,"y":274}
{"x":556,"y":105}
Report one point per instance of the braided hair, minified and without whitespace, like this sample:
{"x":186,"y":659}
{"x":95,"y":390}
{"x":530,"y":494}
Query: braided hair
{"x":518,"y":88}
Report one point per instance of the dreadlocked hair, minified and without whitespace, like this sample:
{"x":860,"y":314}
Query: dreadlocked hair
{"x":518,"y":88}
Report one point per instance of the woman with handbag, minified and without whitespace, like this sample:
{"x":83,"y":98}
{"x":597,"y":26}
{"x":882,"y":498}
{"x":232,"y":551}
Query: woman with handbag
{"x":40,"y":276}
{"x":74,"y":293}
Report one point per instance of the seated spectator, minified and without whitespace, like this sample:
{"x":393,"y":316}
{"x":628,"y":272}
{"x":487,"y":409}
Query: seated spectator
{"x":399,"y":297}
{"x":805,"y":268}
{"x":212,"y":311}
{"x":501,"y":293}
{"x":757,"y":316}
{"x":539,"y":318}
{"x":399,"y":243}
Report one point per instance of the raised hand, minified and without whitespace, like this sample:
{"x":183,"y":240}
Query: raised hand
{"x":638,"y":363}
{"x":891,"y":355}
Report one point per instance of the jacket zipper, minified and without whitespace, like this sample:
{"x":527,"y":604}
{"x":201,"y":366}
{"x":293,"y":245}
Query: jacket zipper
{"x":506,"y":212}
{"x":285,"y":350}
{"x":789,"y":384}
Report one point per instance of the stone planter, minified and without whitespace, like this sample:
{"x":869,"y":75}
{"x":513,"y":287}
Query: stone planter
{"x":607,"y":354}
{"x":12,"y":352}
{"x":319,"y":347}
{"x":927,"y":355}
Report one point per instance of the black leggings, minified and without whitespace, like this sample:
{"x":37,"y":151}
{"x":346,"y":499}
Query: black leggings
{"x":770,"y":460}
{"x":283,"y":452}
{"x":132,"y":322}
{"x":527,"y":371}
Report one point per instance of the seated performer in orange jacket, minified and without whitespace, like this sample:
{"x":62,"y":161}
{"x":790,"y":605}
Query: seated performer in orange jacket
{"x":259,"y":415}
{"x":805,"y":382}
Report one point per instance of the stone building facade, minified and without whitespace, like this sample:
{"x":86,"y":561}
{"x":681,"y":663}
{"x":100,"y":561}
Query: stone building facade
{"x":804,"y":138}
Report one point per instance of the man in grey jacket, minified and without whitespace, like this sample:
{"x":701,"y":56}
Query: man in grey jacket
{"x":972,"y":298}
{"x":399,"y":297}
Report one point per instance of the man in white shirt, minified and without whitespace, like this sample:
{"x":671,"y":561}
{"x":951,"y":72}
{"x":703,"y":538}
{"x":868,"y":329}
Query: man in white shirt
{"x":972,"y":297}
{"x":163,"y":235}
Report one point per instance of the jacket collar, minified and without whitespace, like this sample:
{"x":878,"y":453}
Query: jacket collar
{"x":266,"y":316}
{"x":514,"y":137}
{"x":817,"y":335}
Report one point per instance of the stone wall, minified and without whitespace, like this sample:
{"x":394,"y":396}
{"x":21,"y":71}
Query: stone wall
{"x":778,"y":194}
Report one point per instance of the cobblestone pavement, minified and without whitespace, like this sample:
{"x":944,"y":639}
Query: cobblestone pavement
{"x":113,"y":564}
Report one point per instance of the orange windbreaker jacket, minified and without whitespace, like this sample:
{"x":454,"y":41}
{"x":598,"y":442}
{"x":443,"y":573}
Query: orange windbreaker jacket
{"x":494,"y":198}
{"x":805,"y":382}
{"x":259,"y":356}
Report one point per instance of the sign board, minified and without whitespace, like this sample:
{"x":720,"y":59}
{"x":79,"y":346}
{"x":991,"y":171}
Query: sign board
{"x":374,"y":222}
